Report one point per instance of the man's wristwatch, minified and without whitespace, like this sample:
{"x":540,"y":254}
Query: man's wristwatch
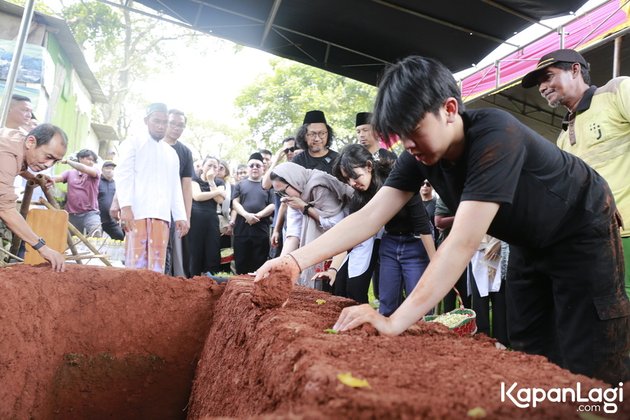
{"x":306,"y":207}
{"x":40,"y":243}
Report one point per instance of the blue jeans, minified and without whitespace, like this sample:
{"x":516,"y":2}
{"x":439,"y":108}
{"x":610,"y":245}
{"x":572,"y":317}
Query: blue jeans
{"x":403,"y":260}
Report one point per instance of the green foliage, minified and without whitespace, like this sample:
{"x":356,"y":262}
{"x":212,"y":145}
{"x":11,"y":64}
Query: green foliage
{"x":127,"y":48}
{"x":39,"y":6}
{"x":95,"y":24}
{"x":274,"y":105}
{"x":207,"y":137}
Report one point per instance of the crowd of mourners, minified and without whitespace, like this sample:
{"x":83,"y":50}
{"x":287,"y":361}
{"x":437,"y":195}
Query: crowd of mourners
{"x":527,"y":233}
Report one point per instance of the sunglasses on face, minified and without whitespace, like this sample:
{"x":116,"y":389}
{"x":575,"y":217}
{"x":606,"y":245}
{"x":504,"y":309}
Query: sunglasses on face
{"x":255,"y":165}
{"x":426,"y":184}
{"x":290,"y":149}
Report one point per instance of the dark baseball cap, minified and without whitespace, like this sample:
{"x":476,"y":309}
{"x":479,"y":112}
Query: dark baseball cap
{"x":558,"y":56}
{"x":108,"y":163}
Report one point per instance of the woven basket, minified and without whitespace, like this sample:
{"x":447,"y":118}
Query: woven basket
{"x":467,"y":326}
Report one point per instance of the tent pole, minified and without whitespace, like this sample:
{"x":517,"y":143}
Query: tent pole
{"x":616,"y":70}
{"x":16,"y":60}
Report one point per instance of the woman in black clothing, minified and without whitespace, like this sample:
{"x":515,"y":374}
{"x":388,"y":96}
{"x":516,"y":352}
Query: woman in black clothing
{"x":204,"y":235}
{"x":407,"y":243}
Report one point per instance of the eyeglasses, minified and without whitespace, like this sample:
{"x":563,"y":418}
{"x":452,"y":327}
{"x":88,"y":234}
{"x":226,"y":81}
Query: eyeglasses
{"x":320,"y":134}
{"x":283,"y":193}
{"x":255,"y":165}
{"x":426,"y":184}
{"x":290,"y":149}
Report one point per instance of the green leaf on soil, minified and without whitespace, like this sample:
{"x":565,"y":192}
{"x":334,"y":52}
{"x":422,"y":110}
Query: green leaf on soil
{"x":331,"y":331}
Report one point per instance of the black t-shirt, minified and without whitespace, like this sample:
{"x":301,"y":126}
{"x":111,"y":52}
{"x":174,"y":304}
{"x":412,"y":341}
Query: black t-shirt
{"x":412,"y":218}
{"x":207,"y":206}
{"x":545,"y":194}
{"x":106,"y":192}
{"x":323,"y":163}
{"x":186,"y":164}
{"x":253,"y":199}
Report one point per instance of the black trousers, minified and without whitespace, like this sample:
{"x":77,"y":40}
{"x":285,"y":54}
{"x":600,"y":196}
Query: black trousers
{"x":204,"y":243}
{"x":250,"y":252}
{"x":114,"y":230}
{"x":567,"y":302}
{"x":356,"y":288}
{"x":481,"y":306}
{"x":462,"y":287}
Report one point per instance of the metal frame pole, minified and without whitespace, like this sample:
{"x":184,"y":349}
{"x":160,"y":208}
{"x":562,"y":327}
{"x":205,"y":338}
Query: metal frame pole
{"x":29,"y":8}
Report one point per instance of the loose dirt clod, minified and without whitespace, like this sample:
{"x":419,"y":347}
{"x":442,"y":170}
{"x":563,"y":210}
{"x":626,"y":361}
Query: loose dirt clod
{"x":274,"y":290}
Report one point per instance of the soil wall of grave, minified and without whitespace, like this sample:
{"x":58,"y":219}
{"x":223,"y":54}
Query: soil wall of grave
{"x":99,"y":342}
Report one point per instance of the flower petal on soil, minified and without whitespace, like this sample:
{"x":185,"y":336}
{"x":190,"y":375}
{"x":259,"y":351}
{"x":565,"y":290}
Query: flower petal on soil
{"x":320,"y":301}
{"x":349,"y":380}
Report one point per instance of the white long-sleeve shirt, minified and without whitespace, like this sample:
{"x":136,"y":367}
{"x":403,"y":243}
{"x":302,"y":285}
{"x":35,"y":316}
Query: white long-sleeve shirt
{"x":147,"y":179}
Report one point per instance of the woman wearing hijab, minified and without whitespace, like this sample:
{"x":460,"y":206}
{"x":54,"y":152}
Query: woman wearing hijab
{"x":316,"y":200}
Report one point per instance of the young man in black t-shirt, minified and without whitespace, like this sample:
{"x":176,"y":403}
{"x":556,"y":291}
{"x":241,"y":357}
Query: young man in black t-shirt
{"x":177,"y":257}
{"x":566,"y":300}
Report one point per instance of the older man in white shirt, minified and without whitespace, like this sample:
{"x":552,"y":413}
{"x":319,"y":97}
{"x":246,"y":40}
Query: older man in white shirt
{"x":149,"y":190}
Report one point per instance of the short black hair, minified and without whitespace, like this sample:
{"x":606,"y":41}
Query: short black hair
{"x":20,"y":98}
{"x":45,"y":132}
{"x":586,"y":75}
{"x":408,"y":90}
{"x":83,"y":153}
{"x":175,"y":111}
{"x":288,"y":139}
{"x":265,"y":152}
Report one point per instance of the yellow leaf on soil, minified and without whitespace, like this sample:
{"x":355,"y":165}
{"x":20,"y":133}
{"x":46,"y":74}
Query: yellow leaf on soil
{"x":477,"y":413}
{"x":349,"y":380}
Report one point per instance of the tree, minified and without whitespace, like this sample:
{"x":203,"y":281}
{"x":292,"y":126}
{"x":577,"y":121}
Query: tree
{"x":217,"y":139}
{"x":274,"y":105}
{"x":127,"y":47}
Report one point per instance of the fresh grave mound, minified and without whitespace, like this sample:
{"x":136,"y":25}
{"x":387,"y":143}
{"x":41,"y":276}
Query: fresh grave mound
{"x":100,"y":342}
{"x":280,"y":362}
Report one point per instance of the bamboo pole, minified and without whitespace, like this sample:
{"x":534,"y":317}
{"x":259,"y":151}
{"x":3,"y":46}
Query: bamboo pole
{"x":16,"y":241}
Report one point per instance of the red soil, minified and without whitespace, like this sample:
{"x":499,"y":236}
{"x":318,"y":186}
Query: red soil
{"x":280,"y":363}
{"x":112,"y":343}
{"x":99,"y":342}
